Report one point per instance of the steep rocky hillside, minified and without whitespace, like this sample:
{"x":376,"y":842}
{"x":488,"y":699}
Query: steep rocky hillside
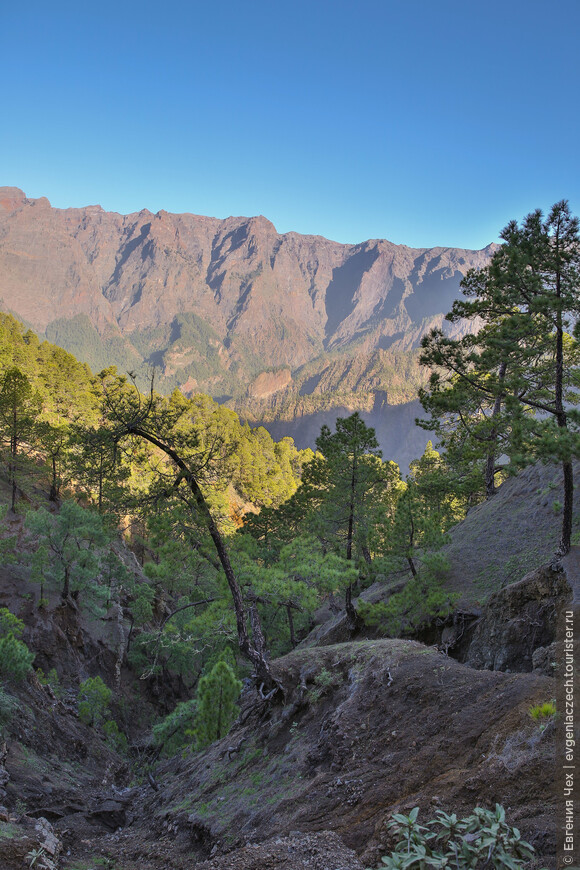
{"x":367,"y":729}
{"x":279,"y":325}
{"x":308,"y":782}
{"x":506,"y":605}
{"x":505,"y":537}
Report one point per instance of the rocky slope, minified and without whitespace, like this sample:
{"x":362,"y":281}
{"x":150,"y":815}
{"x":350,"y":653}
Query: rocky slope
{"x":366,"y":728}
{"x":281,"y":325}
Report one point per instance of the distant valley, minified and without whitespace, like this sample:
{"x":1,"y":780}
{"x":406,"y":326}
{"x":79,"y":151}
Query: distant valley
{"x":288,"y":330}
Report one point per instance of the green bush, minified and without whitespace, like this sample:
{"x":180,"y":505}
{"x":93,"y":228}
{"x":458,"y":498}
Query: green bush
{"x":423,"y":599}
{"x":543,"y":711}
{"x":8,"y":706}
{"x":94,"y":700}
{"x":15,"y":657}
{"x":10,"y":624}
{"x":324,"y":681}
{"x":174,"y":732}
{"x":483,"y":839}
{"x":115,"y":738}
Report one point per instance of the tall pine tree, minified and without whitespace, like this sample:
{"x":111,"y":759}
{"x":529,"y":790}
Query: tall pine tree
{"x":513,"y":383}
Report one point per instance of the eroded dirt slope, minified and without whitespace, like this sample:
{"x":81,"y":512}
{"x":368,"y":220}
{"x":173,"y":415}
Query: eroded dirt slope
{"x":367,"y":729}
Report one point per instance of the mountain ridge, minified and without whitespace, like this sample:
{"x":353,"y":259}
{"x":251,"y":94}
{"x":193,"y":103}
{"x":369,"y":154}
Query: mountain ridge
{"x":276,"y":325}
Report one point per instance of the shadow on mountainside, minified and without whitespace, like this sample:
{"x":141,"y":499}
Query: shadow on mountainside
{"x":509,"y":535}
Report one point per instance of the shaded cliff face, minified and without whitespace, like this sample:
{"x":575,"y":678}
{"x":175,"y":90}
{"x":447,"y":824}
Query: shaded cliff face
{"x":215,"y":304}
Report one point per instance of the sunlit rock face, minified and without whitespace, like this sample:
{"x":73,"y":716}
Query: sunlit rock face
{"x":277,"y":325}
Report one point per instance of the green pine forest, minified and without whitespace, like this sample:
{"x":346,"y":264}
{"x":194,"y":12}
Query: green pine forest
{"x":219,"y":545}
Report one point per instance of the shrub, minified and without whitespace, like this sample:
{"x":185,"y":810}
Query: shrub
{"x":483,"y":839}
{"x":543,"y":711}
{"x":10,"y":624}
{"x":115,"y":738}
{"x":95,"y":699}
{"x":15,"y":657}
{"x":423,"y":599}
{"x":174,"y":732}
{"x":40,"y":855}
{"x":324,"y":681}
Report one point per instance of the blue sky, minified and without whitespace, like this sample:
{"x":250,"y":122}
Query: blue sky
{"x":427,"y":123}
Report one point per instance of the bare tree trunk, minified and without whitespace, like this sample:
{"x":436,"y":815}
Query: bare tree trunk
{"x":12,"y":470}
{"x":291,"y":626}
{"x":54,"y":487}
{"x":568,"y":508}
{"x":566,"y":538}
{"x":66,"y":585}
{"x":351,"y":614}
{"x":492,"y":455}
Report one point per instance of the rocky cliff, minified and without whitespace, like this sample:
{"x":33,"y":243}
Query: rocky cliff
{"x":278,"y":325}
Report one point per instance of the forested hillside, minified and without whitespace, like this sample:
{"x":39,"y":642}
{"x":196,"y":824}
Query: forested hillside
{"x":270,"y":529}
{"x":91,"y":454}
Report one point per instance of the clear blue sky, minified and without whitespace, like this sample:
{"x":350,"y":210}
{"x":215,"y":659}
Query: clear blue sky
{"x":427,"y":122}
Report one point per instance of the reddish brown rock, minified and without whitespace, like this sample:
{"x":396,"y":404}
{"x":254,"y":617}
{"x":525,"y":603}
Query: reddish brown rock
{"x":225,"y":302}
{"x":269,"y":383}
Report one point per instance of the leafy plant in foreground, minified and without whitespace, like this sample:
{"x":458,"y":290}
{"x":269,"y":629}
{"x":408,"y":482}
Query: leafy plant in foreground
{"x":482,"y":839}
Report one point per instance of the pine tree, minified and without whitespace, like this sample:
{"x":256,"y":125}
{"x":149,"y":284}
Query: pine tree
{"x":185,"y":473}
{"x":19,"y":409}
{"x":511,"y":387}
{"x":217,"y":695}
{"x":74,"y":538}
{"x":94,"y":700}
{"x":467,"y":405}
{"x":348,"y":482}
{"x":537,"y":270}
{"x":96,"y":465}
{"x":425,"y":510}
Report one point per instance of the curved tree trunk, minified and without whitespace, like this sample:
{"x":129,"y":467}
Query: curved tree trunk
{"x":253,"y":649}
